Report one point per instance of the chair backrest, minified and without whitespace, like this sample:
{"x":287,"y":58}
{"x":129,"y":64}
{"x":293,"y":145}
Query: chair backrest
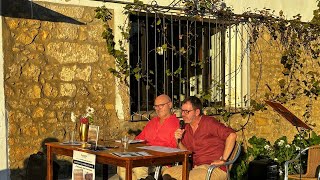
{"x":234,"y":154}
{"x":313,"y":160}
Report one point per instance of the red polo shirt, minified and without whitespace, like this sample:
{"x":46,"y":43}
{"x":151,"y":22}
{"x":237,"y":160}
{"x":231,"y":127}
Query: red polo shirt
{"x":208,"y":141}
{"x":157,"y":134}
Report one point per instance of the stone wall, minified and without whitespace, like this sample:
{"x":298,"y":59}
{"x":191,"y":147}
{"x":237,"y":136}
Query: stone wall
{"x":265,"y":68}
{"x":52,"y":69}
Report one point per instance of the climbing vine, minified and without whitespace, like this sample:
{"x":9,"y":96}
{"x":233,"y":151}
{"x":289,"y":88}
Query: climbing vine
{"x":298,"y":42}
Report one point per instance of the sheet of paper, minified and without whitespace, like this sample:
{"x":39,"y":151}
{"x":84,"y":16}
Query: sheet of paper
{"x":131,"y":154}
{"x":132,"y":141}
{"x":161,"y":149}
{"x":83,"y":166}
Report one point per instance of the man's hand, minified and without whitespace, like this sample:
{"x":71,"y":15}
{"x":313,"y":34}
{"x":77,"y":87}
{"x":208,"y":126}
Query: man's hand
{"x":217,"y":162}
{"x":178,"y":133}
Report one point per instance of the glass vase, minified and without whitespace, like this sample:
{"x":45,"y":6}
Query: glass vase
{"x":83,"y":132}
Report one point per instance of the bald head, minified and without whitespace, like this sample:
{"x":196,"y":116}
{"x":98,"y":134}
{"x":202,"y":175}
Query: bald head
{"x":163,"y":97}
{"x":163,"y":105}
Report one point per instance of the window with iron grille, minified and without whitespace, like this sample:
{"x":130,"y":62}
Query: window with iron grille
{"x":181,"y":57}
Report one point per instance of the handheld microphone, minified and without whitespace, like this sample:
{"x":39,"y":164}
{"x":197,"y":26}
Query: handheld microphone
{"x":181,"y":124}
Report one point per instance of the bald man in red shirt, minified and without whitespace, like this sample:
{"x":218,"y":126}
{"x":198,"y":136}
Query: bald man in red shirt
{"x":159,"y":131}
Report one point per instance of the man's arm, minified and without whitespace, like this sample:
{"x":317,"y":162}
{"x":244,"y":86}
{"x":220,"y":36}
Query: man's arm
{"x":229,"y":144}
{"x":181,"y":146}
{"x":142,"y":135}
{"x":178,"y":136}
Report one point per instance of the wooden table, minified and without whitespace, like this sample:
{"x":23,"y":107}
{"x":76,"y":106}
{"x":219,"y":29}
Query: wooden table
{"x":105,"y":157}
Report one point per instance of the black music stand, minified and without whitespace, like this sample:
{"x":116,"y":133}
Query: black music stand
{"x":294,"y":120}
{"x":284,"y":112}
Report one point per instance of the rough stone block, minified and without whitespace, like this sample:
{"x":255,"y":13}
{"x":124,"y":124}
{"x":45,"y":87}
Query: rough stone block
{"x":34,"y":92}
{"x":31,"y":71}
{"x":28,"y":37}
{"x":68,"y":73}
{"x":68,"y":89}
{"x":66,"y":31}
{"x":38,"y":112}
{"x":83,"y":73}
{"x":65,"y":52}
{"x":50,"y":91}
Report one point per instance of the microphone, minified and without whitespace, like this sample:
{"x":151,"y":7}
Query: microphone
{"x":181,"y":124}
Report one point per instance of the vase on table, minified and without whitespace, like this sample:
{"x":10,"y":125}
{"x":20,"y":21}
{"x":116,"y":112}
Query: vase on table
{"x":83,"y":132}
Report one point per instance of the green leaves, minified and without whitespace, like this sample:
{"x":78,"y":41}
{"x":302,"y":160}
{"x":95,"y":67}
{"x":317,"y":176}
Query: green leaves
{"x":103,"y":13}
{"x":158,"y":22}
{"x":280,"y":151}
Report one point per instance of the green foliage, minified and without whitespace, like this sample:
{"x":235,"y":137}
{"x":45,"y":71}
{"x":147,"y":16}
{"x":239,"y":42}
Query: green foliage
{"x":280,"y":151}
{"x":122,"y":70}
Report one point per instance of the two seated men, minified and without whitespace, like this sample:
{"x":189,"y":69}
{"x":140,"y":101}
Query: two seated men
{"x":210,"y":141}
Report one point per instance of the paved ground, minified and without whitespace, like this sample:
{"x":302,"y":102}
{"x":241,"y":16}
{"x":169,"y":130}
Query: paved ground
{"x":114,"y":177}
{"x":111,"y":171}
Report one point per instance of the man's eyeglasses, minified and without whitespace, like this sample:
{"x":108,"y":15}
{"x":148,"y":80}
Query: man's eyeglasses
{"x":186,"y":111}
{"x":159,"y":106}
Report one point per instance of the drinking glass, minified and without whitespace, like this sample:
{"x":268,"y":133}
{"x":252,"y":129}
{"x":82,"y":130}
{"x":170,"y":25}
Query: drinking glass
{"x":125,"y":142}
{"x":71,"y":137}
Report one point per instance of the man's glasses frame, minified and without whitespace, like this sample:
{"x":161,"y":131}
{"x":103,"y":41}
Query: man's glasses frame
{"x":160,"y":106}
{"x":186,"y":111}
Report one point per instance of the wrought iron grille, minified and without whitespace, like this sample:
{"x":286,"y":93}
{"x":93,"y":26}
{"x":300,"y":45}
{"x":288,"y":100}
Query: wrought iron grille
{"x":182,"y":56}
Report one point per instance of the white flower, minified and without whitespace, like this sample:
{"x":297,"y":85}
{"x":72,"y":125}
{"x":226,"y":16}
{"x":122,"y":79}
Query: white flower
{"x":73,"y":117}
{"x":287,"y":146}
{"x":90,"y":111}
{"x":297,"y":148}
{"x":267,"y":147}
{"x":281,"y":142}
{"x":89,"y":114}
{"x":280,"y":172}
{"x":276,"y":159}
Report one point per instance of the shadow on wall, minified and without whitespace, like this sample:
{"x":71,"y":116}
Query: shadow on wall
{"x":35,"y":167}
{"x":29,"y":10}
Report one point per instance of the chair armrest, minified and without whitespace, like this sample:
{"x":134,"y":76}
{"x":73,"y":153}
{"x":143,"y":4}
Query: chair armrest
{"x":211,"y":168}
{"x":235,"y":154}
{"x":286,"y":167}
{"x":286,"y":164}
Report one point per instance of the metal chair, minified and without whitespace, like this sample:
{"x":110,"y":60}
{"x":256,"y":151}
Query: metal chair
{"x":157,"y":172}
{"x":232,"y":158}
{"x":312,"y":165}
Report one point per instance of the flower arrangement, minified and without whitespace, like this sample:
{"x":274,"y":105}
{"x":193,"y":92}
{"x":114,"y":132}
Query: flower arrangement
{"x":84,"y":124}
{"x":88,"y":117}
